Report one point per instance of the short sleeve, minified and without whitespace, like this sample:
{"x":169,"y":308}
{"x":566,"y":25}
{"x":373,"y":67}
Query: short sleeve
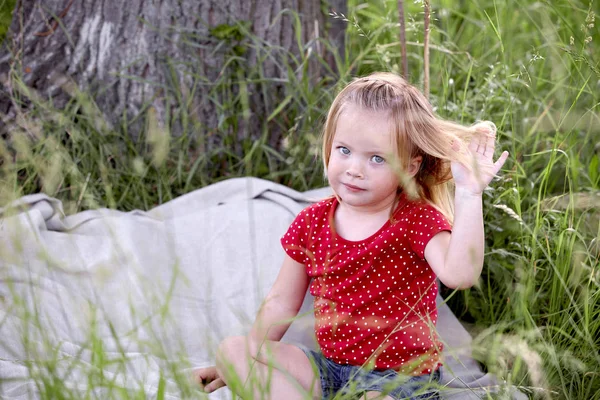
{"x":294,"y":241}
{"x":425,"y":224}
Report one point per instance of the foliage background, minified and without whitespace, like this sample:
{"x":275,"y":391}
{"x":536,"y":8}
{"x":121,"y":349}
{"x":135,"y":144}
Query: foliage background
{"x":532,"y":67}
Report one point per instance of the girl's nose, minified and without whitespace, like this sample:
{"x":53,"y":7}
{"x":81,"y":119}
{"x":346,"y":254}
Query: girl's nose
{"x":354,"y":171}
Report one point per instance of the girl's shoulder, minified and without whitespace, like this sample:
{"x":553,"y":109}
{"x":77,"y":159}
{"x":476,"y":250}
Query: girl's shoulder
{"x":416,"y":209}
{"x":320,"y":207}
{"x":316,"y":214}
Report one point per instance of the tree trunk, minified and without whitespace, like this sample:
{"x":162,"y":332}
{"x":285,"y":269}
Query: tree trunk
{"x":167,"y":54}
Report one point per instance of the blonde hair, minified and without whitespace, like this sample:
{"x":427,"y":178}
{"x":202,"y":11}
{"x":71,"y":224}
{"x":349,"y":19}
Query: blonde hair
{"x":417,"y":132}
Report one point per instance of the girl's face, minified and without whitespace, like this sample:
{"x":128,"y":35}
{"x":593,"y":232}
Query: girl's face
{"x":360,"y":164}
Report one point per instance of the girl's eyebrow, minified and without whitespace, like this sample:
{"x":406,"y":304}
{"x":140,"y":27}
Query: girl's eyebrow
{"x":339,"y":142}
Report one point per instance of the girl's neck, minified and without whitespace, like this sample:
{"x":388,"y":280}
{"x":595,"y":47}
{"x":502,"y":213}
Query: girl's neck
{"x":359,"y":223}
{"x":366,"y":212}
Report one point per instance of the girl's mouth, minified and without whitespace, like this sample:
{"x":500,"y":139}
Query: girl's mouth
{"x":353,"y":188}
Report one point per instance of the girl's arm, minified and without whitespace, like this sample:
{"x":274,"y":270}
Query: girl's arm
{"x":274,"y":318}
{"x":457,"y":257}
{"x":281,"y":304}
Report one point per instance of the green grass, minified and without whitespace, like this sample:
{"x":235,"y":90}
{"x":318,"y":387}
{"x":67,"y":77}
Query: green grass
{"x":6,"y":9}
{"x":529,"y":66}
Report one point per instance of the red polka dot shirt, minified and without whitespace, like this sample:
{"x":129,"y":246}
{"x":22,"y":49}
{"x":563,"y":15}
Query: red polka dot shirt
{"x":375,"y":298}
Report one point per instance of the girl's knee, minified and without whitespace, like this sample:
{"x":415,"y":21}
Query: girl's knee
{"x":231,"y":349}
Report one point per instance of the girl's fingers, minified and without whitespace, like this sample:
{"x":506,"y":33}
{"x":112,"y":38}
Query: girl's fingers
{"x":486,"y":137}
{"x":205,"y":374}
{"x":214,"y":385}
{"x":490,"y":144}
{"x":500,"y":162}
{"x":474,"y":144}
{"x":208,"y":378}
{"x":455,"y":145}
{"x":486,"y":126}
{"x":483,"y":143}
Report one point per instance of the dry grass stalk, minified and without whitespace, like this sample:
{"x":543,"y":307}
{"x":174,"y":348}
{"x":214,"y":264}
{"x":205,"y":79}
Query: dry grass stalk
{"x":427,"y":16}
{"x":402,"y":39}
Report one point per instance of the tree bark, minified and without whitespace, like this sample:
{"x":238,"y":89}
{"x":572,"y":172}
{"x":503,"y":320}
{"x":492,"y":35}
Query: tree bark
{"x":167,"y":54}
{"x":336,"y":32}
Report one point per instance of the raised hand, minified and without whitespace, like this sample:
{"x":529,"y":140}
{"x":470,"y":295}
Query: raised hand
{"x":208,"y":378}
{"x":476,"y":178}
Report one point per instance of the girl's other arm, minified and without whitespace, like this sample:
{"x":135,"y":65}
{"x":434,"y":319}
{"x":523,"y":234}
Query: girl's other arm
{"x":273,"y":319}
{"x":457,"y":258}
{"x":281,"y":304}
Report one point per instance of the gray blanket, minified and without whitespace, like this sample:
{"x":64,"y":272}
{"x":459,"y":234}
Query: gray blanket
{"x":131,"y":302}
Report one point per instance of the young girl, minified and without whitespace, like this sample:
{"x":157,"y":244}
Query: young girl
{"x":407,"y":209}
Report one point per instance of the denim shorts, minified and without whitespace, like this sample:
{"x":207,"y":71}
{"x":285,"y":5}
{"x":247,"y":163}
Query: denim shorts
{"x":339,"y":379}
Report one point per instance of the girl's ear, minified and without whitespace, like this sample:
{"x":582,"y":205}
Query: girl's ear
{"x":414,"y":165}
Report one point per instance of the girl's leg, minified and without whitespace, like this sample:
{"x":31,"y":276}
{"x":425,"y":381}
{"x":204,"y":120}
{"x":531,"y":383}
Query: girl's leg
{"x":277,"y":371}
{"x":416,"y":388}
{"x":379,"y":396}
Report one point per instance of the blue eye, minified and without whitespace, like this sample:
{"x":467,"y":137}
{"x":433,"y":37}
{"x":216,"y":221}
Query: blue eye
{"x":344,"y":150}
{"x":378,"y":159}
